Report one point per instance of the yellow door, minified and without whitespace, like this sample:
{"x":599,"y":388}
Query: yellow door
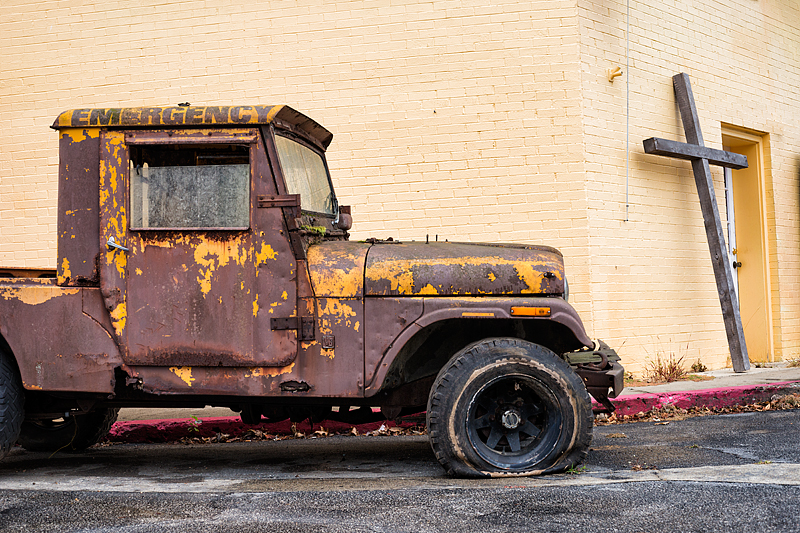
{"x":749,"y":248}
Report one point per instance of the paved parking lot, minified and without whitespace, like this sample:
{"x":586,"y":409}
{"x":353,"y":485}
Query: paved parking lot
{"x":720,"y":473}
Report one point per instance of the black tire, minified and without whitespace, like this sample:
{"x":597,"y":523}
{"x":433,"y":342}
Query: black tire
{"x":73,"y":434}
{"x":508,"y":407}
{"x":12,"y":404}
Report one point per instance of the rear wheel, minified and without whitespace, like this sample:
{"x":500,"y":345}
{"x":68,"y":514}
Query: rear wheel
{"x":72,"y":434}
{"x":12,"y":401}
{"x":508,"y":407}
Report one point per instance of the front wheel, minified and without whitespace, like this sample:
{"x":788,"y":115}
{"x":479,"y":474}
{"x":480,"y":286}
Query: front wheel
{"x":508,"y":407}
{"x":72,"y":434}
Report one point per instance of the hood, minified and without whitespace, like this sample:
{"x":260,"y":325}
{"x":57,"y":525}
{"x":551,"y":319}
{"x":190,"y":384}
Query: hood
{"x":461,"y":269}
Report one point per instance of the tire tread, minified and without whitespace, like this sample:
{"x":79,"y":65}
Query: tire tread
{"x":12,"y":402}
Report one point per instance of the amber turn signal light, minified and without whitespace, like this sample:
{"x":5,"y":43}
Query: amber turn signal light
{"x":530,"y":311}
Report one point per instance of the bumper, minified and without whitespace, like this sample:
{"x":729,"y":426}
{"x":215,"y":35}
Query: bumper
{"x":601,"y":372}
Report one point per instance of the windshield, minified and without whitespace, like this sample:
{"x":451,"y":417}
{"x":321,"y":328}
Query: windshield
{"x":305,"y":175}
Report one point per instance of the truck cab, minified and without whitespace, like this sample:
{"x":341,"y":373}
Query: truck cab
{"x":204,"y":259}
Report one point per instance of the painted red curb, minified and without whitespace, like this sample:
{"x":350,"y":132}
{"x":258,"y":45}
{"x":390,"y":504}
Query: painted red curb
{"x":154,"y":431}
{"x":727,"y":397}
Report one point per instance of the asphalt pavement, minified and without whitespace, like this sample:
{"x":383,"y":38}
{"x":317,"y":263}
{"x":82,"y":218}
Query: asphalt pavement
{"x":730,"y":473}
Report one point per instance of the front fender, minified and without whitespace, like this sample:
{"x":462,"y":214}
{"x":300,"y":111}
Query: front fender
{"x":437,"y":310}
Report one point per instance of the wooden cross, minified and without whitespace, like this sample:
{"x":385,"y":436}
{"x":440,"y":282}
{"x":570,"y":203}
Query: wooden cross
{"x":701,"y":157}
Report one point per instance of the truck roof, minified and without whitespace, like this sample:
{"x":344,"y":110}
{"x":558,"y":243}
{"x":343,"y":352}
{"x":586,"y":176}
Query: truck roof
{"x":190,"y":116}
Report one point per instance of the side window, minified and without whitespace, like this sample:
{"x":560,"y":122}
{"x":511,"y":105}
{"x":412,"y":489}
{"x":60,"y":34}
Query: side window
{"x":190,"y":186}
{"x":306,"y":175}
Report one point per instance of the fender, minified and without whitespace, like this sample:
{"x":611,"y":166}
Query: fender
{"x":440,"y":309}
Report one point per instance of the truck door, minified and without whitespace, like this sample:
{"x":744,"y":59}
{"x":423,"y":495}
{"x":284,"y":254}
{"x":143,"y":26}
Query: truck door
{"x":191,"y":271}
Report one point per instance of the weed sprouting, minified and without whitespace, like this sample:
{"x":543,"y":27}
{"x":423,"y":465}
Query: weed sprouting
{"x":697,"y":366}
{"x":665,"y":370}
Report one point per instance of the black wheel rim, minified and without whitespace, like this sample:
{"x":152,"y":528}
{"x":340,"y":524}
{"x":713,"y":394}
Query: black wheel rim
{"x":514,"y":422}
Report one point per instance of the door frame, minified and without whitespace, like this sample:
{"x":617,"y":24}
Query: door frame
{"x":733,"y":137}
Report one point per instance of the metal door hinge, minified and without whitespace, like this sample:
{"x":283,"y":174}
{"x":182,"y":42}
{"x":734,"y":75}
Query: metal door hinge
{"x":276,"y":200}
{"x":304,"y":326}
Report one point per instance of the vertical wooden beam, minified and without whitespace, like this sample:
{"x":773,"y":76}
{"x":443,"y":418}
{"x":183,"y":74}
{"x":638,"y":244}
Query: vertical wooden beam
{"x":723,"y":270}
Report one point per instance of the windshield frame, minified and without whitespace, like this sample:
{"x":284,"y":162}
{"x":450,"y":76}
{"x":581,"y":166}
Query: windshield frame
{"x":314,"y":147}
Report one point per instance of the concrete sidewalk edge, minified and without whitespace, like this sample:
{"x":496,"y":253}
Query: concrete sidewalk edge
{"x":160,"y":431}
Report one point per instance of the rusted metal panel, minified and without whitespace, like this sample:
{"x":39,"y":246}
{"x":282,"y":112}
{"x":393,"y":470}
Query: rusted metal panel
{"x":317,"y":372}
{"x":386,"y":319}
{"x":193,"y":116}
{"x":199,"y":297}
{"x":337,"y":268}
{"x":454,"y":269}
{"x":57,"y":346}
{"x":337,"y":371}
{"x":78,"y":206}
{"x":230,"y":381}
{"x":276,"y":270}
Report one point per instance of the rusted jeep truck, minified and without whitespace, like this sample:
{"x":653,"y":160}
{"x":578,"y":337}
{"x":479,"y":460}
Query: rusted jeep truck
{"x":203,"y":259}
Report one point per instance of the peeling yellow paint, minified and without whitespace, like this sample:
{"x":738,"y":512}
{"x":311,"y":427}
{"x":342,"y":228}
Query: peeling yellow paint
{"x":118,"y":258}
{"x":118,"y":318}
{"x":138,"y":271}
{"x":285,"y":295}
{"x":492,"y":277}
{"x":265,"y":253}
{"x":255,"y":306}
{"x":35,"y":295}
{"x":183,"y":372}
{"x":337,"y":270}
{"x":77,"y":135}
{"x":65,"y":273}
{"x":260,"y":371}
{"x":428,"y":290}
{"x":337,"y":310}
{"x":211,"y":255}
{"x":333,"y":312}
{"x":307,"y":345}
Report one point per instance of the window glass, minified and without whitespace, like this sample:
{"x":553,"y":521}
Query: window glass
{"x":305,"y":175}
{"x":190,"y":186}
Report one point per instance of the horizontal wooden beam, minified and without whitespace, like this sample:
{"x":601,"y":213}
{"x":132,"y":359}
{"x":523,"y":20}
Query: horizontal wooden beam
{"x":721,"y":158}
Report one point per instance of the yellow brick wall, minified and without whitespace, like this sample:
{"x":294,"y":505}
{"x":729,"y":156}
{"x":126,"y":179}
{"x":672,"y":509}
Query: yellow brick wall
{"x":471,"y":119}
{"x":450,"y":118}
{"x":744,"y":64}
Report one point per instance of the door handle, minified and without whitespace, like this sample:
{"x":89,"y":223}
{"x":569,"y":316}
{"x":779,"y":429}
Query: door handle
{"x":114,"y":245}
